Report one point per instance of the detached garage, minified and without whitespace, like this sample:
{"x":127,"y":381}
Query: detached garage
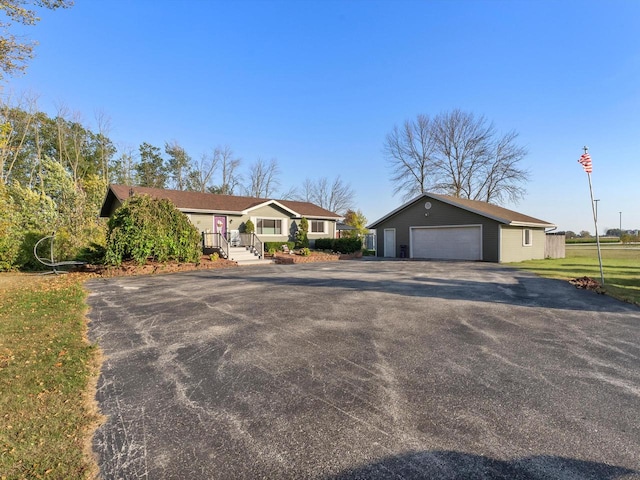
{"x":441,"y":227}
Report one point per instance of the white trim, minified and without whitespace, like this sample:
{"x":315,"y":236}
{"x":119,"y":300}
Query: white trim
{"x":532,"y":225}
{"x":271,"y":202}
{"x":284,"y":226}
{"x":324,"y":231}
{"x":435,"y":227}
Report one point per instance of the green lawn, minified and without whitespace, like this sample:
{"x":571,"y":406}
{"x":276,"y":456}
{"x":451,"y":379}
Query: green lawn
{"x":621,"y":266}
{"x":47,"y":379}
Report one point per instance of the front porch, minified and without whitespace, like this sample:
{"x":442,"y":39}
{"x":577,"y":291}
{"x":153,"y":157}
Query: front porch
{"x":239,"y":247}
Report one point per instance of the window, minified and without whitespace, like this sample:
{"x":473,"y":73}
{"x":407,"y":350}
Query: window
{"x":269,"y":226}
{"x":317,"y":226}
{"x":527,"y":238}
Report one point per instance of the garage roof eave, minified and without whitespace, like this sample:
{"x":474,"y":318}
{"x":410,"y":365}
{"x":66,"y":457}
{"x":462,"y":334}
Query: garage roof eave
{"x":484,"y":209}
{"x":530,"y":224}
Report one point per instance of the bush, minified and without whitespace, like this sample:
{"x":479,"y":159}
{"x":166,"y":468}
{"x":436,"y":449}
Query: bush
{"x":249,"y":227}
{"x":305,"y":252}
{"x":347,"y":245}
{"x":302,"y":239}
{"x":277,"y":246}
{"x":10,"y":233}
{"x":214,"y":257}
{"x":93,"y":254}
{"x":26,"y":260}
{"x":324,"y":244}
{"x":144,"y":228}
{"x":342,"y":245}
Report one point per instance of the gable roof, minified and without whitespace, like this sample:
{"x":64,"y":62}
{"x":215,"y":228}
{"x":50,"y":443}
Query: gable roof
{"x":488,"y":210}
{"x":213,"y":203}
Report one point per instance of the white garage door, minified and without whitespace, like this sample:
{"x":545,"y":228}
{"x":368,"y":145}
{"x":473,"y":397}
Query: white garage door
{"x":447,"y":243}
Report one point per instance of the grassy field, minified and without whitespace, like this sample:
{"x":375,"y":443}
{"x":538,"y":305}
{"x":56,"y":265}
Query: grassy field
{"x":621,"y":266}
{"x":47,"y":379}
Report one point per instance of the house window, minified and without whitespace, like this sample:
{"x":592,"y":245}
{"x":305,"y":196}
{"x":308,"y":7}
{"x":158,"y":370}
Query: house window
{"x":317,"y":226}
{"x":269,"y":226}
{"x":527,"y":237}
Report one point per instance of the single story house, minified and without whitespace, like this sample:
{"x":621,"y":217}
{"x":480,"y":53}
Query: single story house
{"x":274,"y":220}
{"x":434,"y":226}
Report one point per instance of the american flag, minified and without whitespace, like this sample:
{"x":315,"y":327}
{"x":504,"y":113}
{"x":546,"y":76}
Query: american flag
{"x":585,"y":161}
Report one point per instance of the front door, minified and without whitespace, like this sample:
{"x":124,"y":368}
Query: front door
{"x":390,"y":242}
{"x":220,"y":225}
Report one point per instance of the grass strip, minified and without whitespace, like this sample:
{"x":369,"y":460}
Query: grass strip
{"x":48,"y":371}
{"x":621,"y":267}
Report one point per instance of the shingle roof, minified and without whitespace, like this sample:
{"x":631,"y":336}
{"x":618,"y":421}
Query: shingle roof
{"x":500,"y":214}
{"x":209,"y":202}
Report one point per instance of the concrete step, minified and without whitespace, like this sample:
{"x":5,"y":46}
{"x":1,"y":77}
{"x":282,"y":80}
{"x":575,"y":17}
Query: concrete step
{"x":243,"y":256}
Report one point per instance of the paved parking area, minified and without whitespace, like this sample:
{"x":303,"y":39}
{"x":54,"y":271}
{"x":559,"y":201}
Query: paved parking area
{"x":365,"y":369}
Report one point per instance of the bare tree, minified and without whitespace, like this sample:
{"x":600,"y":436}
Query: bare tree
{"x":334,"y":196}
{"x":229,"y":163}
{"x":458,"y":154}
{"x":291,"y":194}
{"x":202,"y":173}
{"x":306,"y":194}
{"x":263,"y":178}
{"x":410,"y":154}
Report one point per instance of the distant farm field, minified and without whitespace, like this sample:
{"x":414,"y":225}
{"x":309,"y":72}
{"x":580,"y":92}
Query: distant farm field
{"x":621,"y":266}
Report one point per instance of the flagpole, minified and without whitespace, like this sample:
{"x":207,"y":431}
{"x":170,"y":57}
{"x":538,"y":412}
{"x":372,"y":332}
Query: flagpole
{"x":595,"y":223}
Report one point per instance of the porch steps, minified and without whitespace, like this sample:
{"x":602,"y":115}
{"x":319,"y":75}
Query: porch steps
{"x":243,"y":256}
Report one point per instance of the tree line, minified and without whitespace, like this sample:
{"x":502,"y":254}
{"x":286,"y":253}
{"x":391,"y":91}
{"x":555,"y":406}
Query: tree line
{"x":54,"y":172}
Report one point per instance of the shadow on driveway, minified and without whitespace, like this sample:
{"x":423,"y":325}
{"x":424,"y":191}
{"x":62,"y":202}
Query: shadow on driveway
{"x":444,"y":465}
{"x":480,"y":282}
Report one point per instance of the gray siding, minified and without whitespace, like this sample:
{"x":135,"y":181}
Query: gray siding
{"x":440,"y":214}
{"x":512,"y":248}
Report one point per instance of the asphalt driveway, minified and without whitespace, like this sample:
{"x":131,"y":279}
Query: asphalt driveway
{"x":365,"y":369}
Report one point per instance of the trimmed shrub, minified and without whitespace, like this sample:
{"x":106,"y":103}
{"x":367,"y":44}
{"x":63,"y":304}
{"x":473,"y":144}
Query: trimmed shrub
{"x":249,"y":227}
{"x":347,"y":245}
{"x":302,"y":239}
{"x":305,"y":252}
{"x":144,"y":227}
{"x":342,"y":245}
{"x":324,"y":244}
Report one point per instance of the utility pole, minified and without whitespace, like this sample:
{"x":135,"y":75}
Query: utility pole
{"x":620,"y":226}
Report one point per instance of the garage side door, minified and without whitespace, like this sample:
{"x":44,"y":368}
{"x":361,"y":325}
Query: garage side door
{"x":447,"y":243}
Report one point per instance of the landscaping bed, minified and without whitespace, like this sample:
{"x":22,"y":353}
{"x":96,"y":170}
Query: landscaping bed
{"x":151,"y":267}
{"x":291,"y":258}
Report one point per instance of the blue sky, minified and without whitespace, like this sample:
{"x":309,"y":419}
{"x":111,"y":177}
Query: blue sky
{"x":319,"y":84}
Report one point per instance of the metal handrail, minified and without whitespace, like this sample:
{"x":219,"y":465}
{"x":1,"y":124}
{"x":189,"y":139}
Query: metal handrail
{"x":216,"y":240}
{"x":224,"y":245}
{"x":257,"y":245}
